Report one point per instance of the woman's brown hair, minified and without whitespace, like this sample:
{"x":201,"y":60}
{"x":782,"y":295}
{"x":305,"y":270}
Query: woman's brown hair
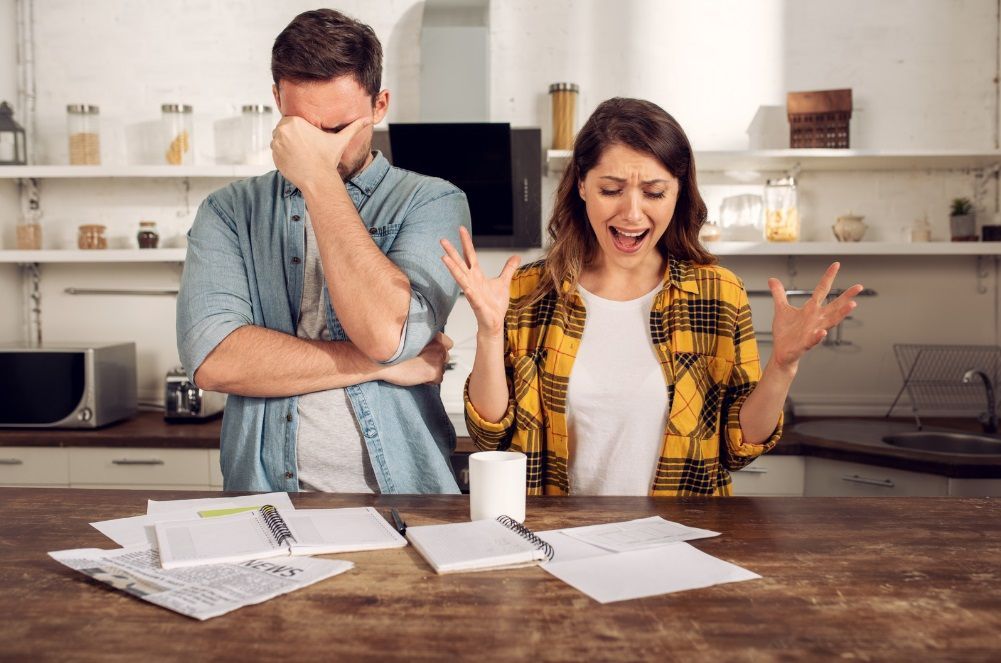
{"x":644,"y":127}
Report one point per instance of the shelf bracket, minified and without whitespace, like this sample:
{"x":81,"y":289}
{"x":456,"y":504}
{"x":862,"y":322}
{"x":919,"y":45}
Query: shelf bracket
{"x":31,"y":281}
{"x":982,"y":274}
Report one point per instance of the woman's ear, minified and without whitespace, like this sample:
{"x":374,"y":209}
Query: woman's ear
{"x":580,"y":189}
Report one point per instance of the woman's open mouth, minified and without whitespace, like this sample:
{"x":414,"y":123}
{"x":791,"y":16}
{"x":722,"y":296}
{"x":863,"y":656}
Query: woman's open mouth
{"x":628,"y":241}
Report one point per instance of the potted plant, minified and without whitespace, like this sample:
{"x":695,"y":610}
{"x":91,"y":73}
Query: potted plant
{"x":962,"y":221}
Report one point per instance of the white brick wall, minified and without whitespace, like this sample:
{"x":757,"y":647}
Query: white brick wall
{"x":922,"y":72}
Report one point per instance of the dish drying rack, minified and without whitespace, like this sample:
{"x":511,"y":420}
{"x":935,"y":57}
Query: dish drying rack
{"x":933,"y":376}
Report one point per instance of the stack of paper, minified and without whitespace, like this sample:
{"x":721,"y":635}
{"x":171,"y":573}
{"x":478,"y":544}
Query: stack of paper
{"x":637,"y":558}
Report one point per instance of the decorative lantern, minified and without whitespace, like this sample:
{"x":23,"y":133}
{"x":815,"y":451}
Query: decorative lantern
{"x":13,"y":149}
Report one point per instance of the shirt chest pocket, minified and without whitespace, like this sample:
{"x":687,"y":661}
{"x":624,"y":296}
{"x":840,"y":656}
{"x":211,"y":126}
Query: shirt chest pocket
{"x":699,"y":387}
{"x":384,"y":236}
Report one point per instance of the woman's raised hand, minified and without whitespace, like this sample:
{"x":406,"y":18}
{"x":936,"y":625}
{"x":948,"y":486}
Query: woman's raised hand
{"x":796,"y":330}
{"x":487,"y":297}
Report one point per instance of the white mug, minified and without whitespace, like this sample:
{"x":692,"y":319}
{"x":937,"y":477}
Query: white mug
{"x":497,"y":485}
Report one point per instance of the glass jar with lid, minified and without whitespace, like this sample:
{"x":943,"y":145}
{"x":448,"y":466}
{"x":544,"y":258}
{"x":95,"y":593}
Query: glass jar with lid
{"x":564,"y":103}
{"x":147,"y":237}
{"x":91,"y":236}
{"x":179,"y":134}
{"x":84,"y":134}
{"x":781,"y":211}
{"x":257,"y":124}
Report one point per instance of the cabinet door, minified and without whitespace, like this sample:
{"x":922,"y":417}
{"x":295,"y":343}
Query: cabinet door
{"x":770,"y":475}
{"x":130,"y":468}
{"x":34,"y":466}
{"x":215,"y":471}
{"x":975,"y":487}
{"x":835,"y":478}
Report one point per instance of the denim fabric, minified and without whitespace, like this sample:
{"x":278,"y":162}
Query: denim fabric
{"x":244,"y":266}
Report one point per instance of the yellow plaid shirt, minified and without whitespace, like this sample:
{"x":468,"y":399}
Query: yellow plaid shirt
{"x":700,"y":325}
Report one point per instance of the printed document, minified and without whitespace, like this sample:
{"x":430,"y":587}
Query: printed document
{"x":203,"y":592}
{"x":637,"y":534}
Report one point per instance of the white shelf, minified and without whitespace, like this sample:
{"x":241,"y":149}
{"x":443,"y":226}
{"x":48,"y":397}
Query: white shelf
{"x":832,"y":248}
{"x":836,"y":249}
{"x":825,"y":160}
{"x":97,"y":256}
{"x":114,"y":172}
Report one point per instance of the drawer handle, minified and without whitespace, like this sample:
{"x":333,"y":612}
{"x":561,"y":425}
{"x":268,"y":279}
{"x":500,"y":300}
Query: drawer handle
{"x":754,"y":470}
{"x":129,"y":461}
{"x":11,"y":461}
{"x":855,"y":478}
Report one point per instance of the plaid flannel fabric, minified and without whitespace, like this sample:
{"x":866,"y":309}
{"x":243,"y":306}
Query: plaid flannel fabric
{"x":701,"y":329}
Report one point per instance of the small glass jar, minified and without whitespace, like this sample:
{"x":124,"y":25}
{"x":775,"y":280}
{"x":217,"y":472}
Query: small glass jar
{"x":179,"y":134}
{"x":91,"y":237}
{"x":147,"y":237}
{"x":28,"y":234}
{"x":257,"y":124}
{"x":84,"y":134}
{"x":564,"y":102}
{"x":781,"y":212}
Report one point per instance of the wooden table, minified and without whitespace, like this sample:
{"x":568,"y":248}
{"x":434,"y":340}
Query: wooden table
{"x":867,"y":579}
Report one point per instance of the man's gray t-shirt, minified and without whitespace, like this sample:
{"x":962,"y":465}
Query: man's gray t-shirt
{"x":331,"y":455}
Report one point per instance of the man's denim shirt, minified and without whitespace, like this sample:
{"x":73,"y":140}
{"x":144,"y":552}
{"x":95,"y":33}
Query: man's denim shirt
{"x":244,"y":266}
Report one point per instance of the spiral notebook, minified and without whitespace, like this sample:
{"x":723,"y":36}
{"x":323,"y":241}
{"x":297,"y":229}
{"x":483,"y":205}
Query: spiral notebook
{"x":480,"y":545}
{"x":271,"y":532}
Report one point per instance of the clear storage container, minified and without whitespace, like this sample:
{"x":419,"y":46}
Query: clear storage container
{"x":179,"y":134}
{"x":781,"y":211}
{"x":82,"y":123}
{"x":257,"y":124}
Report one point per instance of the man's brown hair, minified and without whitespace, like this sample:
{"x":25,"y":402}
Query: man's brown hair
{"x":323,"y":44}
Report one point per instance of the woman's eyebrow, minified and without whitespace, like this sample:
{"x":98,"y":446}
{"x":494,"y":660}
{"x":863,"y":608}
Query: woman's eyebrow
{"x":621,"y":180}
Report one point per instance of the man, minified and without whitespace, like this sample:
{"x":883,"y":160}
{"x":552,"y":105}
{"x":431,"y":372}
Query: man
{"x":315,"y":296}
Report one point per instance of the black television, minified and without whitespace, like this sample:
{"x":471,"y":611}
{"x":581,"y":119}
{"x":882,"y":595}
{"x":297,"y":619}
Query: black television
{"x":498,"y":168}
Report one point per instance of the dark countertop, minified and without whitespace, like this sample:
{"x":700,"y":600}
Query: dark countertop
{"x":148,"y":429}
{"x":842,"y":578}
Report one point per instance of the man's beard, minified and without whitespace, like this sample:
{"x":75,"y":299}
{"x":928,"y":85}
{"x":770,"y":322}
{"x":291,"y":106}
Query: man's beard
{"x":348,"y":172}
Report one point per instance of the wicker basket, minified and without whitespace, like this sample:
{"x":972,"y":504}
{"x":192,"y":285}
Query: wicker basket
{"x":819,"y":118}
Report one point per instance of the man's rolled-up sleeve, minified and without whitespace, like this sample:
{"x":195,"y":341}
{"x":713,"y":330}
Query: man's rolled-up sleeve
{"x":214,"y":297}
{"x":417,"y":252}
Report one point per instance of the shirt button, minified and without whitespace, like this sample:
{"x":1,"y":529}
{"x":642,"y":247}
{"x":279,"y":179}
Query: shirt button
{"x":288,"y":417}
{"x":296,"y":261}
{"x":295,"y":217}
{"x":289,"y":475}
{"x":371,"y":231}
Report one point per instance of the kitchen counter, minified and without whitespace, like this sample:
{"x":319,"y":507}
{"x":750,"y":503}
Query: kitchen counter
{"x":860,"y":578}
{"x":148,"y":429}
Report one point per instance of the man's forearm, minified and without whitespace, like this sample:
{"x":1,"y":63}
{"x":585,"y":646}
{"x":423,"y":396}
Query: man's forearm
{"x":370,"y":294}
{"x":259,"y":362}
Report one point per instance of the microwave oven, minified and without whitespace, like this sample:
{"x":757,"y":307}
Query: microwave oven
{"x":67,"y":385}
{"x":498,"y":167}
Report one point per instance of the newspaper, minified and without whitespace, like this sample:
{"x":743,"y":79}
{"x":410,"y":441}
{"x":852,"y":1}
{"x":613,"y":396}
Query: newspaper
{"x":201,"y":592}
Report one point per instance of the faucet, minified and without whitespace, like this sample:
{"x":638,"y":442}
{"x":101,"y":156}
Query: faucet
{"x":990,"y":418}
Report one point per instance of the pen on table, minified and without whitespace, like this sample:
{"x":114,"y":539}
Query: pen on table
{"x":401,"y":526}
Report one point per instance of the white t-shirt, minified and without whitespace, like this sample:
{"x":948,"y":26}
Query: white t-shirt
{"x":617,"y":403}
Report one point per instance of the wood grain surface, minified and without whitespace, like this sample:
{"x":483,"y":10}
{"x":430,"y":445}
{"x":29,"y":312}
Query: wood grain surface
{"x":857,"y":578}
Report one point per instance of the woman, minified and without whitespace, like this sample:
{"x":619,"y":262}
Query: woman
{"x":624,"y":362}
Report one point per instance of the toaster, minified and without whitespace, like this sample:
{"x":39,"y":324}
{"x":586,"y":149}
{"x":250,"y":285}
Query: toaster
{"x":184,"y":401}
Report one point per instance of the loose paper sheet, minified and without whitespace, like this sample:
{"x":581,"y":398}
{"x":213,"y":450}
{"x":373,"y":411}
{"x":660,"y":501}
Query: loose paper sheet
{"x":637,"y":534}
{"x":635,"y":574}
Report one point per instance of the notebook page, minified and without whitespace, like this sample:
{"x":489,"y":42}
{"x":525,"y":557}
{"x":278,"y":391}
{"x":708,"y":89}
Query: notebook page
{"x":229,"y":538}
{"x":340,"y":530}
{"x":637,"y":534}
{"x":480,"y":544}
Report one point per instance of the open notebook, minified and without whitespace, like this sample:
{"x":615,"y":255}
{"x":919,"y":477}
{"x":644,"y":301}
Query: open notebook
{"x":271,"y":532}
{"x":480,"y":545}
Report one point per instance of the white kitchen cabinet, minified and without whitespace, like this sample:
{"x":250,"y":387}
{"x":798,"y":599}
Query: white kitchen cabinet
{"x":835,"y":478}
{"x":975,"y":487}
{"x":215,"y":471}
{"x":771,"y":475}
{"x":139,"y":468}
{"x":34,"y":466}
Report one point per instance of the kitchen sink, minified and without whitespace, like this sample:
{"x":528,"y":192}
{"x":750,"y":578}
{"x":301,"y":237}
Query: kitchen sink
{"x":947,"y":443}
